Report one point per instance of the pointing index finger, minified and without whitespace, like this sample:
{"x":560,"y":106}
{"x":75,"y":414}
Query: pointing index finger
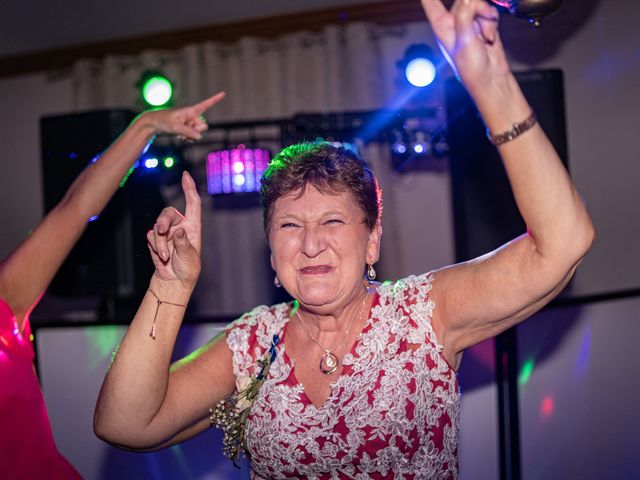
{"x":192,"y":209}
{"x":207,"y":103}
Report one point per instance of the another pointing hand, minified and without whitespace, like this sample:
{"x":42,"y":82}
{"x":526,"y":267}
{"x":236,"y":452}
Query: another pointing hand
{"x":187,"y":122}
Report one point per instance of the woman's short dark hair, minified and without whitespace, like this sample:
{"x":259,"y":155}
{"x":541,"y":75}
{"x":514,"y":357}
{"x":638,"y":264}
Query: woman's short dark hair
{"x":328,"y":168}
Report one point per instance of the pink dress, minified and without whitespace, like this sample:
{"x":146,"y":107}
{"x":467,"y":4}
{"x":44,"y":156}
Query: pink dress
{"x":392,"y":413}
{"x":27,"y":449}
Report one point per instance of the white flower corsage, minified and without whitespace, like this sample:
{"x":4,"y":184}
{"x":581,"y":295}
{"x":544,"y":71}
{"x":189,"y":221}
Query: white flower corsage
{"x":231,"y":413}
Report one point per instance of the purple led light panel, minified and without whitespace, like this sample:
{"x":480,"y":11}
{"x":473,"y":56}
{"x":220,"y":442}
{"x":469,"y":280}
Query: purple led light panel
{"x":237,"y":170}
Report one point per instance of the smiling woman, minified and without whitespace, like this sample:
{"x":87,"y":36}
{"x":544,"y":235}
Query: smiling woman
{"x":308,"y":223}
{"x":352,"y":379}
{"x":322,"y":217}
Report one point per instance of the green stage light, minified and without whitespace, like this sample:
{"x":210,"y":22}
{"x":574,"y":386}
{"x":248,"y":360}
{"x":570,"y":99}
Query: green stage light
{"x":156,"y":89}
{"x":169,"y":162}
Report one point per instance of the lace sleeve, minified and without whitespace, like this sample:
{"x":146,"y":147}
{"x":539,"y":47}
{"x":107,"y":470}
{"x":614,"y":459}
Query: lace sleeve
{"x":412,"y":294}
{"x":241,"y":339}
{"x":250,"y":337}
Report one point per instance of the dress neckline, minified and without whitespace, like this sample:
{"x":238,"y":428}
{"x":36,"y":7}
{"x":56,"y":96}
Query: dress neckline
{"x":347,"y":368}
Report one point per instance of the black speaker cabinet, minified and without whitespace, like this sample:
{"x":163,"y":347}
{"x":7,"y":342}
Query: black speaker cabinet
{"x":111,"y":259}
{"x":485,"y":212}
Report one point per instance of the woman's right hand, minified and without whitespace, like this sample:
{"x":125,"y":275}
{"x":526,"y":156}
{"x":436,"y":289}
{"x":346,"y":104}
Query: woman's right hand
{"x":175,"y":240}
{"x":468,"y":36}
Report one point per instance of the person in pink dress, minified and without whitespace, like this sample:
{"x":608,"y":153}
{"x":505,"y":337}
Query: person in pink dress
{"x":27,"y":448}
{"x":352,"y":379}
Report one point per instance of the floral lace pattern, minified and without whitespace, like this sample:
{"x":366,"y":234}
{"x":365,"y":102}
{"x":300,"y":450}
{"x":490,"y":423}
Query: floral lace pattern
{"x":392,"y":413}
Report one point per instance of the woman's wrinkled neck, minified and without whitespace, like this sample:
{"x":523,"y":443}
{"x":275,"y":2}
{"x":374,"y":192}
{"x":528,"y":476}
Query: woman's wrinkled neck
{"x":335,"y":320}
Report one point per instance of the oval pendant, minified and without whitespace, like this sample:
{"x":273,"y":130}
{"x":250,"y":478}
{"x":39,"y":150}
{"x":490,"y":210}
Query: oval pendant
{"x":328,"y":363}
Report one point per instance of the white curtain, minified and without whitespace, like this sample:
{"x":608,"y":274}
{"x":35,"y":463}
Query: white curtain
{"x":341,"y":68}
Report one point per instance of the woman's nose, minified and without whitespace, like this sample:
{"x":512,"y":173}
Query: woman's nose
{"x":313,"y":241}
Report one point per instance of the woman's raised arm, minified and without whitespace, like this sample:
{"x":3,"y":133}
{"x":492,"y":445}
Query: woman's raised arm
{"x":481,"y":298}
{"x":26,"y":273}
{"x":145,"y":403}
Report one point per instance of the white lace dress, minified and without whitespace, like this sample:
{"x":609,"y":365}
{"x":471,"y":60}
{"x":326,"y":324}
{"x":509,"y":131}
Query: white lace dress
{"x":392,"y":413}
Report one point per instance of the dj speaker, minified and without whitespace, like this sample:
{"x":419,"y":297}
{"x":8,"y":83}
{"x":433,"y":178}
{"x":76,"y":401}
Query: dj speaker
{"x":485,"y":212}
{"x":111,"y":259}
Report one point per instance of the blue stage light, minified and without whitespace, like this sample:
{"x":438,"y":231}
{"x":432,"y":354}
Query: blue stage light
{"x":420,"y":72}
{"x":418,"y":67}
{"x":151,"y":162}
{"x":419,"y":148}
{"x":399,"y":148}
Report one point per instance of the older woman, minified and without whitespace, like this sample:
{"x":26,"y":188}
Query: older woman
{"x":353,"y":379}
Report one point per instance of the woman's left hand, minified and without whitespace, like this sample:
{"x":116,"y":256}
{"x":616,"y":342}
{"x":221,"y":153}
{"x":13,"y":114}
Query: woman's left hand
{"x":468,"y":36}
{"x":186,"y":122}
{"x":175,"y":241}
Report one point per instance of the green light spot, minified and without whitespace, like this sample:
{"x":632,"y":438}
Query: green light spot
{"x":169,"y":162}
{"x":102,"y":341}
{"x":526,"y":371}
{"x":157,"y":91}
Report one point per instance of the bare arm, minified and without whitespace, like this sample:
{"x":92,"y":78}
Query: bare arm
{"x":481,"y":298}
{"x":144,"y":403}
{"x":27,"y":272}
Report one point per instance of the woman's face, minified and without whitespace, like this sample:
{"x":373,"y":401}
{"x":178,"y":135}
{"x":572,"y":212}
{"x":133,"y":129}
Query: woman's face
{"x":320,"y":245}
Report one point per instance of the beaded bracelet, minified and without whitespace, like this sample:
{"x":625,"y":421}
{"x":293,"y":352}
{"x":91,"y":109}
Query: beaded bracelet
{"x":517,"y":130}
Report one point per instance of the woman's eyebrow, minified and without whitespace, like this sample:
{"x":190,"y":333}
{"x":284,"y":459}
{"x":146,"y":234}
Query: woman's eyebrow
{"x":287,"y":215}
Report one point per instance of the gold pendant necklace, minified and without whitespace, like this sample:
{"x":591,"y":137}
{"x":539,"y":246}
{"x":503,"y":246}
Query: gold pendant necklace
{"x":329,"y":362}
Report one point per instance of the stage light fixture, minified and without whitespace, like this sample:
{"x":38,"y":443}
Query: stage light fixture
{"x":169,"y":162}
{"x":420,"y":72}
{"x":236,"y":170}
{"x":398,"y":145}
{"x":156,"y":89}
{"x":421,"y":144}
{"x":399,"y":148}
{"x":418,"y":65}
{"x":151,"y":162}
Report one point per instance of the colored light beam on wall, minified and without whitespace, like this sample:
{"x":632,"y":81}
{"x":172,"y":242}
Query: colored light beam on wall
{"x":546,"y":407}
{"x":102,"y":341}
{"x":182,"y":462}
{"x":526,"y":371}
{"x":582,"y":362}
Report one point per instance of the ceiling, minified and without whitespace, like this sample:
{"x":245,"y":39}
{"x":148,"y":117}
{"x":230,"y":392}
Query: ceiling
{"x":36,"y":25}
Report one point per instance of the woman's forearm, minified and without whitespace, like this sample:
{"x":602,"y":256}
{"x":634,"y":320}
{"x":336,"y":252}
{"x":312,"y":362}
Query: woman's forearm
{"x":91,"y":191}
{"x":556,"y":217}
{"x":129,"y":410}
{"x":29,"y":269}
